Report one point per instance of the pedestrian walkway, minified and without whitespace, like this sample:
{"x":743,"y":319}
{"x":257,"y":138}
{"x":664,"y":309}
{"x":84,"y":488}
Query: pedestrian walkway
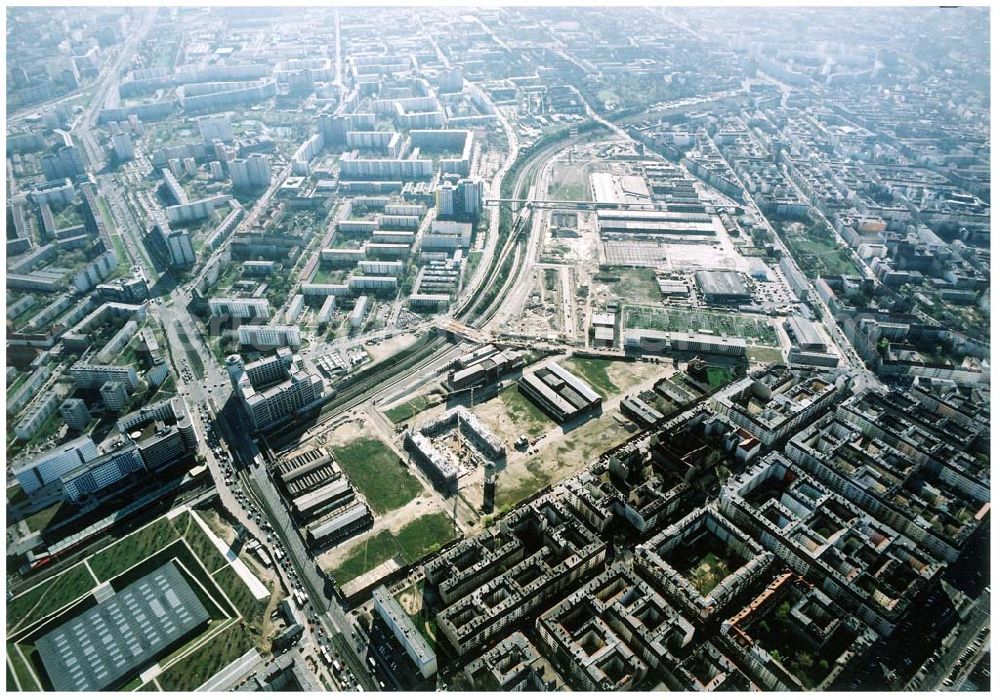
{"x":258,"y":589}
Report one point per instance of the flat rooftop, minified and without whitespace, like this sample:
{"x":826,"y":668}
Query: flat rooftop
{"x":624,"y":189}
{"x":721,"y":283}
{"x":105,"y":645}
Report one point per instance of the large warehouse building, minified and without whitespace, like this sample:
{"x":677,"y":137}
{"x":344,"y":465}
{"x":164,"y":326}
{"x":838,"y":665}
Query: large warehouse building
{"x":114,"y":640}
{"x":723,"y":287}
{"x":559,"y":393}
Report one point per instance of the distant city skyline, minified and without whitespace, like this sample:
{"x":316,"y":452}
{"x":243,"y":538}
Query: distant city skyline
{"x":498,"y":348}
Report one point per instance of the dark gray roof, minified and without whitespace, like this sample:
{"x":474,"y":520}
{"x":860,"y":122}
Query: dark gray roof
{"x":123,"y":635}
{"x":721,"y":283}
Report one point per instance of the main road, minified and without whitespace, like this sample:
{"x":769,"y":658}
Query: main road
{"x":253,"y":477}
{"x":110,"y":78}
{"x":265,"y":510}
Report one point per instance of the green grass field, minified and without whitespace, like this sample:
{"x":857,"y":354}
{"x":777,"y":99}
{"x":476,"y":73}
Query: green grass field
{"x":709,"y":573}
{"x":635,"y":285}
{"x":594,"y":372}
{"x":365,"y":556}
{"x":674,"y":319}
{"x":414,"y":540}
{"x":755,"y":353}
{"x":40,"y":519}
{"x":16,"y":495}
{"x":425,"y":534}
{"x":558,"y":460}
{"x":328,"y":276}
{"x":186,"y":667}
{"x":569,"y":191}
{"x":609,"y":96}
{"x":378,"y":473}
{"x":249,"y":607}
{"x":20,"y":670}
{"x":719,"y":376}
{"x":526,"y":416}
{"x":201,"y":664}
{"x":509,"y":495}
{"x":817,"y":252}
{"x":472,"y":262}
{"x":551,"y":279}
{"x":203,"y":548}
{"x":49,"y":596}
{"x":408,"y":409}
{"x":114,"y":560}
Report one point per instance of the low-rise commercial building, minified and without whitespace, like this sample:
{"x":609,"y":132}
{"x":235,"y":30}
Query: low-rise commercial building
{"x":558,"y":392}
{"x":646,"y":341}
{"x":339,"y":526}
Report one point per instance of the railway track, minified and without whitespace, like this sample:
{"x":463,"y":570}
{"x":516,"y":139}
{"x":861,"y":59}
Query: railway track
{"x":433,"y":347}
{"x":514,"y":242}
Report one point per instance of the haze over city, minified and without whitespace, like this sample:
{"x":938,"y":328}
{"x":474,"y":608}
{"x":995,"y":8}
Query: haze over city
{"x":498,"y":348}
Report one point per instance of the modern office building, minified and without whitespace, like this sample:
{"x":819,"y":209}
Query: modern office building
{"x":101,"y":473}
{"x":447,"y":235}
{"x":215,"y":127}
{"x":380,"y":283}
{"x":268,"y":404}
{"x":36,"y":415}
{"x":267,"y":370}
{"x":114,"y":393}
{"x":471,"y":197}
{"x":446,"y":201}
{"x":49,"y":467}
{"x":359,"y":312}
{"x":122,"y":145}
